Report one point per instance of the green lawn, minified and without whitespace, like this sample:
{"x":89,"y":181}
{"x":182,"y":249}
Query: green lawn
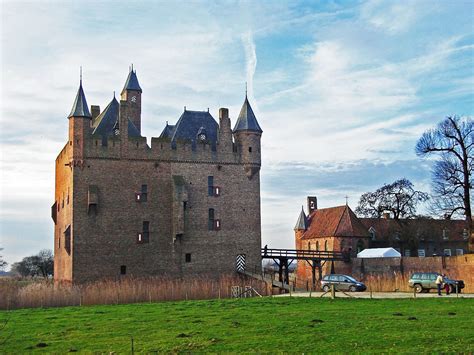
{"x":259,"y":324}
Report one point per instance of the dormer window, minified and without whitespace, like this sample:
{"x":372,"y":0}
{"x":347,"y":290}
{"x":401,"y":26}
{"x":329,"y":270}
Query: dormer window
{"x":372,"y":233}
{"x":445,"y":234}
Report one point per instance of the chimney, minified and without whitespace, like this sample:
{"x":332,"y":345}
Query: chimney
{"x":223,"y":113}
{"x":95,"y":111}
{"x":386,"y":215}
{"x":312,"y":204}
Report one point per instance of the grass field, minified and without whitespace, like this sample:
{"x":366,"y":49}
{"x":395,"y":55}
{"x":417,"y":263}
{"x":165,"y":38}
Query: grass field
{"x":259,"y":324}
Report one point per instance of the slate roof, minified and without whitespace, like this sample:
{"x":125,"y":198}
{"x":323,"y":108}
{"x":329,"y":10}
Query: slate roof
{"x":132,"y":82}
{"x":191,"y":122}
{"x":167,"y":131}
{"x":105,"y":123}
{"x":302,"y":222}
{"x":338,"y":221}
{"x":80,"y":108}
{"x":429,"y":229}
{"x":247,"y":120}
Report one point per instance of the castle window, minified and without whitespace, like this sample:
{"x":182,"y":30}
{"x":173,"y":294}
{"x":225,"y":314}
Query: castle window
{"x":210,"y":224}
{"x":217,"y":224}
{"x":217,"y":191}
{"x":67,"y":239}
{"x":144,"y":236}
{"x":123,"y":269}
{"x":459,"y":252}
{"x":250,"y":149}
{"x":143,"y":195}
{"x":210,"y":185}
{"x":447,"y":252}
{"x":317,"y":246}
{"x":326,"y":245}
{"x":187,"y":258}
{"x":309,"y":245}
{"x":465,"y":234}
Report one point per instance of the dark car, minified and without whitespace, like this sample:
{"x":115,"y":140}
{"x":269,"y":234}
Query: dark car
{"x":341,"y":283}
{"x":426,"y":281}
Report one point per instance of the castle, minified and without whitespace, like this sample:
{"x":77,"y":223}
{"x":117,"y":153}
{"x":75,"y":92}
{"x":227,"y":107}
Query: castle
{"x":189,"y":204}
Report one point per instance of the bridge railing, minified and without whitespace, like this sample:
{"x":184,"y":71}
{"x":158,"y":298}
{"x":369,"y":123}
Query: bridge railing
{"x":305,"y":254}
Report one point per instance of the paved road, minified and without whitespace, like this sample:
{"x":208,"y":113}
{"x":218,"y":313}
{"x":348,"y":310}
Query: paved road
{"x":378,"y":295}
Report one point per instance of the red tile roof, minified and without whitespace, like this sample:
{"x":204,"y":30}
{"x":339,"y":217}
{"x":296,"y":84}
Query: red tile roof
{"x":338,"y":221}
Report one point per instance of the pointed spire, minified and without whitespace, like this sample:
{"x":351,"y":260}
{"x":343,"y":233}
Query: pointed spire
{"x":302,"y":223}
{"x":80,"y":108}
{"x":132,"y":81}
{"x":247,"y":120}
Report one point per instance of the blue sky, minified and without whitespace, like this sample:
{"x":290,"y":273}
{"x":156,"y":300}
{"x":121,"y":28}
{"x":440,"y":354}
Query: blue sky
{"x":342,"y":90}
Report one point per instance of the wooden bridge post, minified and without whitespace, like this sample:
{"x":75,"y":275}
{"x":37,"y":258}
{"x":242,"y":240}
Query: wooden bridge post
{"x":313,"y":272}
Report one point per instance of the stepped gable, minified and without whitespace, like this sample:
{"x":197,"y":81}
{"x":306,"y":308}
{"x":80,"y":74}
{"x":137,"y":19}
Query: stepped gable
{"x":338,"y":221}
{"x":247,"y":120}
{"x":107,"y":121}
{"x":80,"y":108}
{"x":191,"y":122}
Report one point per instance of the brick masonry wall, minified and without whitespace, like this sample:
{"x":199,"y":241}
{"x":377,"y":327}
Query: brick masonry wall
{"x":105,"y":240}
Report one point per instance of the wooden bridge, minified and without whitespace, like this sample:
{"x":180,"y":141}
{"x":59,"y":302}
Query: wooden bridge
{"x":283,"y":258}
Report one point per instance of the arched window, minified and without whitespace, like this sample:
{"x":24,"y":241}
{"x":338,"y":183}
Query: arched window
{"x":317,"y":246}
{"x":309,"y":245}
{"x":343,"y":245}
{"x":326,"y":245}
{"x":360,"y":246}
{"x":372,"y":233}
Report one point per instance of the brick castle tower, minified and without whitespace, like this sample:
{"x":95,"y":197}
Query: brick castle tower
{"x":189,"y":204}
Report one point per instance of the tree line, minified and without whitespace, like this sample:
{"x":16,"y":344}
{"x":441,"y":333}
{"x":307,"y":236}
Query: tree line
{"x":451,"y":144}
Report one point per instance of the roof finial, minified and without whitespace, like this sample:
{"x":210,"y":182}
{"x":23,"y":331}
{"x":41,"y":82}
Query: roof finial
{"x":80,"y":75}
{"x":347,"y":199}
{"x":114,"y":94}
{"x":245,"y":89}
{"x":184,"y":108}
{"x":132,"y":66}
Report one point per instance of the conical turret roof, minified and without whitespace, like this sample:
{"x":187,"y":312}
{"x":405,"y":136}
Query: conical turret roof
{"x":247,"y":120}
{"x":79,"y":108}
{"x":302,"y":222}
{"x":132,"y":82}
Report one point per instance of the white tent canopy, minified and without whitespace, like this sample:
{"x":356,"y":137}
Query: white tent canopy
{"x":379,"y":253}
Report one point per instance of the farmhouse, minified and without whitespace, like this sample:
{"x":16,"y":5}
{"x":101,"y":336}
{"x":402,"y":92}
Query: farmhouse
{"x":188,"y":204}
{"x":339,"y":229}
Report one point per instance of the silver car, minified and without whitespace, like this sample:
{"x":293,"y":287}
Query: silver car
{"x":342,"y":283}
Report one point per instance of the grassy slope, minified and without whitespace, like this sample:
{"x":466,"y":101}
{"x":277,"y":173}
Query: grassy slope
{"x":269,"y":324}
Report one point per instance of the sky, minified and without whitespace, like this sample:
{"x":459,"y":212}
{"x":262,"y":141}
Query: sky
{"x":341,"y":89}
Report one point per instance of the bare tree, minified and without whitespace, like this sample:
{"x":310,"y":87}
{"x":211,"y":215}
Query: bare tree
{"x":398,"y":198}
{"x":3,"y":263}
{"x":453,"y":141}
{"x":41,"y":264}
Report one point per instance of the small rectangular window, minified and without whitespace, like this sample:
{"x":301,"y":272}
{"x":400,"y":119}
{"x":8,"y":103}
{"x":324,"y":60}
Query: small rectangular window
{"x":217,"y":224}
{"x":459,"y":252}
{"x":144,"y":193}
{"x":421,"y":252}
{"x":211,"y":219}
{"x":217,"y":191}
{"x":188,"y":257}
{"x":210,"y":185}
{"x":123,"y":269}
{"x":407,"y":252}
{"x":144,"y":235}
{"x":447,"y":252}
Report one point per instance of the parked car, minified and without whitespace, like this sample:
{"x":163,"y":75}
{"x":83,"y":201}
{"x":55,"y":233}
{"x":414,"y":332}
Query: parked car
{"x":425,"y":281}
{"x":342,"y":283}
